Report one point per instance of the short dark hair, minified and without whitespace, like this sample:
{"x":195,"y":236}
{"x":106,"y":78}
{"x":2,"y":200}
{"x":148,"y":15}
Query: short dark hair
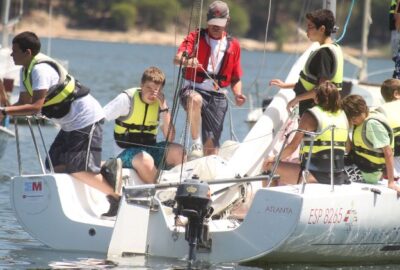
{"x":328,"y":97}
{"x":323,"y":17}
{"x":388,"y":87}
{"x":153,"y":74}
{"x":28,"y":40}
{"x":354,"y":106}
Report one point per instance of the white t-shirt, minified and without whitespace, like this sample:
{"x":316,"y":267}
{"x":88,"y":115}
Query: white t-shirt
{"x":84,"y":111}
{"x":218,"y":48}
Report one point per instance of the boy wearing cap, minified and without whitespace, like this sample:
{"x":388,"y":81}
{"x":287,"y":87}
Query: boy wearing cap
{"x":212,"y":62}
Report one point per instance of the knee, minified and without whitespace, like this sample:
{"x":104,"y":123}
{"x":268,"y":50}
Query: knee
{"x":143,"y":161}
{"x":195,"y":101}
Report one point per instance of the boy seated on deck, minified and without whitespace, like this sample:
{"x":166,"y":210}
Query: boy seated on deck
{"x":137,"y":112}
{"x":327,"y":112}
{"x":371,"y":147}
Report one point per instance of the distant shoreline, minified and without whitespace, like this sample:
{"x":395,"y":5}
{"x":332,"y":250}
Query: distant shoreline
{"x":40,"y":23}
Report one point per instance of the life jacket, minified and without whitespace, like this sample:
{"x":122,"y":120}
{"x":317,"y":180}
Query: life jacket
{"x":392,"y":11}
{"x":59,"y":97}
{"x":140,"y":126}
{"x":390,"y":110}
{"x":366,"y":157}
{"x":224,"y":76}
{"x":321,"y":150}
{"x":309,"y":81}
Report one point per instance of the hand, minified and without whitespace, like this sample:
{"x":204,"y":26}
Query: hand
{"x":394,"y":186}
{"x":240,"y":99}
{"x":277,"y":82}
{"x":268,"y":163}
{"x":192,"y":62}
{"x":292,"y":104}
{"x":161,"y":98}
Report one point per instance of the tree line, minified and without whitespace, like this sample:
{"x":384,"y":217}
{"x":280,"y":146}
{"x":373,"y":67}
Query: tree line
{"x":248,"y":18}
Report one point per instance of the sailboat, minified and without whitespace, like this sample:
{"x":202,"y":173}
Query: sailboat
{"x":188,"y":214}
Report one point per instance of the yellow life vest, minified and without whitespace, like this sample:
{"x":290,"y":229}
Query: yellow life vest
{"x":393,"y":5}
{"x":390,"y":110}
{"x":309,"y":81}
{"x":321,"y":150}
{"x":60,"y":96}
{"x":367,"y":158}
{"x":140,"y":126}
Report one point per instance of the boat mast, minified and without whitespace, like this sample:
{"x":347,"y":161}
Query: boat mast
{"x":364,"y":39}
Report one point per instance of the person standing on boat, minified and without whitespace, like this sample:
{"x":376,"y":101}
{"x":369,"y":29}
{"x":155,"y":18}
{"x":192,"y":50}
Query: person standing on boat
{"x":49,"y":89}
{"x":211,"y":59}
{"x":390,"y":91}
{"x":136,"y":112}
{"x":371,"y":147}
{"x":325,"y":63}
{"x":327,"y":112}
{"x":394,"y":26}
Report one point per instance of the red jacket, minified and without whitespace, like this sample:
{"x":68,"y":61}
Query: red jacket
{"x":230,"y":67}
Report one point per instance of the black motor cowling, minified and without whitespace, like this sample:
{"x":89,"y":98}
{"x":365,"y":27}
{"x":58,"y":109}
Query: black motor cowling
{"x":193,"y":201}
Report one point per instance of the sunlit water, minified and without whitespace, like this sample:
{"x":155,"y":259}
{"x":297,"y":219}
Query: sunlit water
{"x":109,"y":68}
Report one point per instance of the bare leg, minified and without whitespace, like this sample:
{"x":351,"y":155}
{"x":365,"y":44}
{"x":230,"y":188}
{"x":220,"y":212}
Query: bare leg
{"x":194,"y":104}
{"x":96,"y":181}
{"x":143,"y":163}
{"x":209,"y":148}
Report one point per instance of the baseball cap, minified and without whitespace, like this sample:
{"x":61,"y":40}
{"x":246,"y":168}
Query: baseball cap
{"x":218,"y":13}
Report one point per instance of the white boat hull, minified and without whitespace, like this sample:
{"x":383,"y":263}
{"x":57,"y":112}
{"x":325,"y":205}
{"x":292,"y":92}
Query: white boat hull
{"x":282,"y":225}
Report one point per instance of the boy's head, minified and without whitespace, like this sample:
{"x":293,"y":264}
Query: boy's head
{"x":327,"y":97}
{"x":27,"y":40}
{"x":152,"y":83}
{"x":25,"y":46}
{"x":322,"y":17}
{"x":390,"y":90}
{"x":356,"y":109}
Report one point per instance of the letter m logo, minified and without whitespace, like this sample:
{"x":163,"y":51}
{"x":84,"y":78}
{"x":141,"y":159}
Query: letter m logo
{"x":36,"y":186}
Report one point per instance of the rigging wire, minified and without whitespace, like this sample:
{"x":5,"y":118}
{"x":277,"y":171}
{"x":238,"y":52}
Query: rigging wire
{"x":347,"y":22}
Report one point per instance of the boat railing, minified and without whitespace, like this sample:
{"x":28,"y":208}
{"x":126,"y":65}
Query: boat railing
{"x":36,"y":119}
{"x":306,"y":172}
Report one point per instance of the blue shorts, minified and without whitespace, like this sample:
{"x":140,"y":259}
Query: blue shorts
{"x":155,"y":151}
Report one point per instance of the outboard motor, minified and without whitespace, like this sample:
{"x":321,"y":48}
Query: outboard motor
{"x":193,"y":200}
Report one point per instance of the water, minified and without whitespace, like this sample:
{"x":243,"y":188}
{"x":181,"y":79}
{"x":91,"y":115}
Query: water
{"x":109,"y":68}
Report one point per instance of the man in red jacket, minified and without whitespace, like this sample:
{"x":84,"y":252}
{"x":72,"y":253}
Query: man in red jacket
{"x":212,"y":62}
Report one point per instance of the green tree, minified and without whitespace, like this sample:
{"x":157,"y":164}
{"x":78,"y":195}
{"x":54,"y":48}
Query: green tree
{"x":123,"y":15}
{"x":239,"y":22}
{"x":157,"y":14}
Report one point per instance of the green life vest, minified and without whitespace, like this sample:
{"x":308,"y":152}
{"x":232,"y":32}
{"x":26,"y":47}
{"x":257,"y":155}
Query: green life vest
{"x":140,"y":126}
{"x":309,"y":81}
{"x":321,"y":150}
{"x":367,"y":158}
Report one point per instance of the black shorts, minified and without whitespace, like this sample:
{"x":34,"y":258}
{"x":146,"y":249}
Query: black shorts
{"x":79,"y":150}
{"x":339,"y":178}
{"x":213,"y":113}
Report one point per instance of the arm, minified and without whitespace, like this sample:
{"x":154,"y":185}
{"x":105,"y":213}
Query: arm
{"x":388,"y":153}
{"x":28,"y":105}
{"x":236,"y":87}
{"x":279,"y":83}
{"x":119,"y":106}
{"x":186,"y":60}
{"x":397,"y":16}
{"x":166,"y":120}
{"x":307,"y":122}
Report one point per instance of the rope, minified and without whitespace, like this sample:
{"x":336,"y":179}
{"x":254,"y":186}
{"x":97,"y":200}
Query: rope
{"x":347,"y":22}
